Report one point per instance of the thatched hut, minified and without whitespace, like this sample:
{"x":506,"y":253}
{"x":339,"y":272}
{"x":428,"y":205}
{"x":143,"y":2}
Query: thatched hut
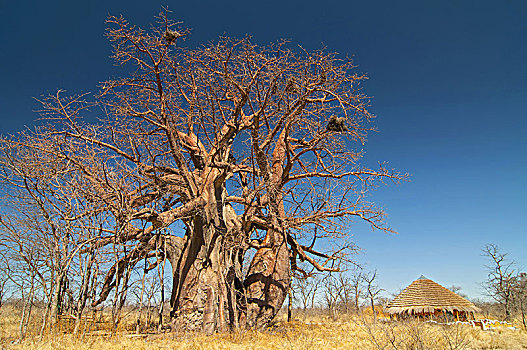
{"x":427,"y":299}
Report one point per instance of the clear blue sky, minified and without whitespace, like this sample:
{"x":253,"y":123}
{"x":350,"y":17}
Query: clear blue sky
{"x":449,"y":82}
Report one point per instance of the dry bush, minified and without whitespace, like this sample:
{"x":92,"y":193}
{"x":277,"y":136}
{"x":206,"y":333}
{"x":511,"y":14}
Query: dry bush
{"x":413,"y":334}
{"x":417,"y":335}
{"x":317,"y":332}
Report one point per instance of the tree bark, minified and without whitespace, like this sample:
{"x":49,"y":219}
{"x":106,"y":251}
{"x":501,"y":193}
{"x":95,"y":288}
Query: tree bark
{"x":269,"y":279}
{"x":55,"y":301}
{"x":207,"y":274}
{"x":267,"y":282}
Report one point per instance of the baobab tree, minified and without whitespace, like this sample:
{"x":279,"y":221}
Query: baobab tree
{"x":202,"y":154}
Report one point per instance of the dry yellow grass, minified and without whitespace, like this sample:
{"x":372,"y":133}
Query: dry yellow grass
{"x":320,"y":333}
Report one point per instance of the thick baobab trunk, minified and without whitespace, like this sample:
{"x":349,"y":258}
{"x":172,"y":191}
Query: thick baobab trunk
{"x":208,"y":293}
{"x":207,"y":275}
{"x":207,"y":289}
{"x":268,"y":281}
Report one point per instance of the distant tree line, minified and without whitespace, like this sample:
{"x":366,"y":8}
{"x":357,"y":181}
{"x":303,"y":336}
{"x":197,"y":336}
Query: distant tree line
{"x":337,"y":293}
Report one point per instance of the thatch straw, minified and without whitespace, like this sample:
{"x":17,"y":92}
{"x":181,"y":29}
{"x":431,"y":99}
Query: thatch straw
{"x":426,"y":296}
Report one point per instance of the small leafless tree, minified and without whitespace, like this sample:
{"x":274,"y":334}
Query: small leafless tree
{"x":520,"y":296}
{"x":357,"y":286}
{"x":342,"y":291}
{"x":5,"y":272}
{"x":345,"y":292}
{"x":501,"y":278}
{"x":331,"y":295}
{"x":305,"y":291}
{"x":372,"y":290}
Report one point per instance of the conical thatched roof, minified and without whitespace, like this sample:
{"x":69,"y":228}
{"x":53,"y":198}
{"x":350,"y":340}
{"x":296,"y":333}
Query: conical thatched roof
{"x":426,"y":296}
